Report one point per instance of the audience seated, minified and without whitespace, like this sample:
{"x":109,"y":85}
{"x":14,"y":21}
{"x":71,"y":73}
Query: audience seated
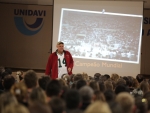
{"x":78,"y":93}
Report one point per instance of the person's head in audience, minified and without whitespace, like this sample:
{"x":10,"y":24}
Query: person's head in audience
{"x":2,"y":69}
{"x":57,"y":105}
{"x":115,"y":107}
{"x":94,"y":85}
{"x":75,"y":111}
{"x":126,"y":101}
{"x":43,"y":81}
{"x":130,"y":78}
{"x":135,"y":83}
{"x":106,"y":76}
{"x":73,"y":99}
{"x":91,"y":78}
{"x":62,"y":82}
{"x":16,"y":108}
{"x":128,"y":83}
{"x":19,"y":90}
{"x":72,"y":77}
{"x":9,"y":81}
{"x":109,"y":95}
{"x":114,"y":77}
{"x":144,"y":86}
{"x":121,"y":81}
{"x":40,"y":108}
{"x":66,"y":78}
{"x":6,"y":99}
{"x":141,"y":105}
{"x":8,"y":70}
{"x":80,"y":83}
{"x":102,"y":86}
{"x":98,"y":95}
{"x":85,"y":76}
{"x":108,"y":85}
{"x":147,"y":97}
{"x":2,"y":76}
{"x":139,"y":78}
{"x":30,"y":79}
{"x":114,"y":84}
{"x":98,"y":107}
{"x":87,"y":94}
{"x":121,"y":88}
{"x":54,"y":89}
{"x":78,"y":77}
{"x":97,"y":76}
{"x":64,"y":87}
{"x":37,"y":95}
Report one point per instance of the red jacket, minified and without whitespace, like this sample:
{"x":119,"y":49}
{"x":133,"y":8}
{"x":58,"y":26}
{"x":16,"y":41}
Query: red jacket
{"x":52,"y":64}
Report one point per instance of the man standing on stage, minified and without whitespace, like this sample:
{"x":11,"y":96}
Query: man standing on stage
{"x":60,"y":62}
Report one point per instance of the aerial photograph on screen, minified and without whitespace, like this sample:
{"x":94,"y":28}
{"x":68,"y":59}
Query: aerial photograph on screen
{"x":101,"y":35}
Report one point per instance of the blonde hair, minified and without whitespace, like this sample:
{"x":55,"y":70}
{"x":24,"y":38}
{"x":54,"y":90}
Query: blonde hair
{"x":98,"y":107}
{"x":115,"y":77}
{"x":19,"y":90}
{"x":7,"y":99}
{"x":85,"y":76}
{"x":126,"y":101}
{"x":60,"y":42}
{"x":16,"y":108}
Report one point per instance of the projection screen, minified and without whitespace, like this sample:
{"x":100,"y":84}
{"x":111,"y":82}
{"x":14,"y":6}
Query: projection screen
{"x":102,"y":36}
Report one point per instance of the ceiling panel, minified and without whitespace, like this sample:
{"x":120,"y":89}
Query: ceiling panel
{"x":50,"y":2}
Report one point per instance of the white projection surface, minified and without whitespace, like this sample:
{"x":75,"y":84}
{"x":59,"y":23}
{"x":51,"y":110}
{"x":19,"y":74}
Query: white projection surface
{"x":102,"y":36}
